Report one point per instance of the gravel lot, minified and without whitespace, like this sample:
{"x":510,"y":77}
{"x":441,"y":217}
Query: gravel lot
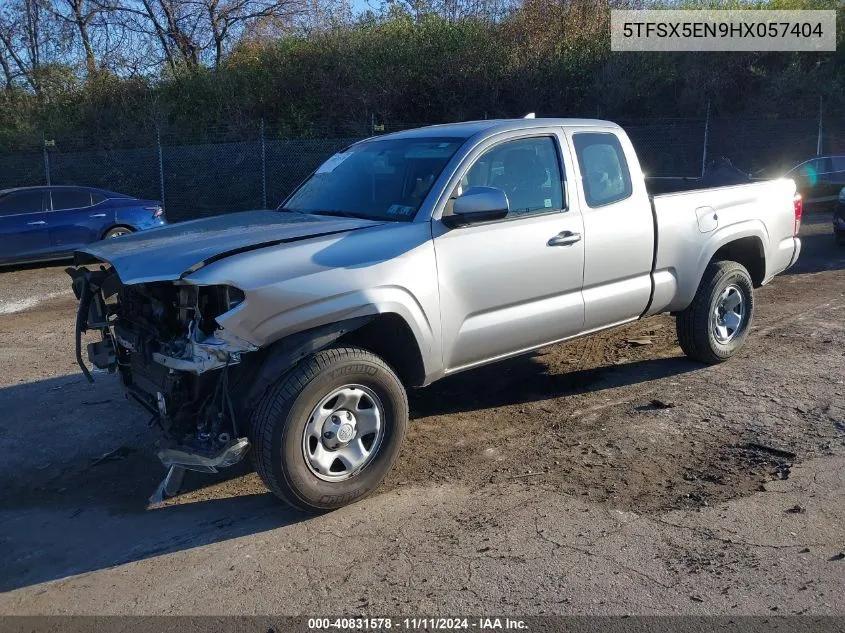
{"x":600,"y":476}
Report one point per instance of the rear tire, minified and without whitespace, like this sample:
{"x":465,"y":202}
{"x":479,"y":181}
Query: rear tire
{"x":117,"y":231}
{"x":298,"y":465}
{"x":714,"y":327}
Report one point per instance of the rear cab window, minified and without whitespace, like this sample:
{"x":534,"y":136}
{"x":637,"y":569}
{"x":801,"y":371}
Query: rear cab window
{"x":604,"y":170}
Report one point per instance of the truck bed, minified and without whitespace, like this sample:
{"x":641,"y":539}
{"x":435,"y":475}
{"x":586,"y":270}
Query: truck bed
{"x":684,"y":217}
{"x":662,"y":185}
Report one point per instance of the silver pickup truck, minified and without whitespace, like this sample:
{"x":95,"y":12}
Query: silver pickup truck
{"x":294,"y":333}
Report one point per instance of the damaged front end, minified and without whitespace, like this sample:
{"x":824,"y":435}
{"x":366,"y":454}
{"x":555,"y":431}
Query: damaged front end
{"x":173,"y":358}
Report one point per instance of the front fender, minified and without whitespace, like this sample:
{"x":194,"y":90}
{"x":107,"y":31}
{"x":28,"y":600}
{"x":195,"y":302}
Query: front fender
{"x":272,"y":326}
{"x":287,"y":352}
{"x":291,"y":288}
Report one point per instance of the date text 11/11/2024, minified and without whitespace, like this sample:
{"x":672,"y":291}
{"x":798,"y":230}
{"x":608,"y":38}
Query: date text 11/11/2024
{"x":423,"y":623}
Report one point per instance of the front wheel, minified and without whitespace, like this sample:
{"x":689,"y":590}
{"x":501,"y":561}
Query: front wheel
{"x":716,"y":324}
{"x":328,"y":432}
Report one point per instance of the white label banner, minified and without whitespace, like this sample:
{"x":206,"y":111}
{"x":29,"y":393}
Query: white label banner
{"x":714,"y":30}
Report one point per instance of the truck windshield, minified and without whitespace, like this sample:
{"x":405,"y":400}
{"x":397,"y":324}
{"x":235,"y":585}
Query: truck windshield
{"x":381,"y":179}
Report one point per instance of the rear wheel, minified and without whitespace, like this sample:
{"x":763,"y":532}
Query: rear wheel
{"x":117,"y":231}
{"x":716,"y":324}
{"x":328,"y":432}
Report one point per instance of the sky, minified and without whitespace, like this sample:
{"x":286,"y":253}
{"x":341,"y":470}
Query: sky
{"x":359,"y":6}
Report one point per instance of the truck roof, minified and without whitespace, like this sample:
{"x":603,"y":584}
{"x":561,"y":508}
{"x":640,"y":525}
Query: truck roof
{"x":494,"y":126}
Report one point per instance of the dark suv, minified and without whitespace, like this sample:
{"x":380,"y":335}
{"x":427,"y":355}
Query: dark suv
{"x":819,"y":181}
{"x":839,"y":219}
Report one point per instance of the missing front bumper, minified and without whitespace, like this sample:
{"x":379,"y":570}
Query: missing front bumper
{"x":229,"y":455}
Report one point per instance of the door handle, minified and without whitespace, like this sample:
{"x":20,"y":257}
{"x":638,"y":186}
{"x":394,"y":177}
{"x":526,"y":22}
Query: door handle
{"x":566,"y":238}
{"x":39,"y":222}
{"x":97,"y":215}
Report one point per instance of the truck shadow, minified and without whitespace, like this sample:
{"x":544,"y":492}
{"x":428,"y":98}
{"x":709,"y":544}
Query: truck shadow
{"x":78,"y":469}
{"x":526,"y":379}
{"x":64,"y":513}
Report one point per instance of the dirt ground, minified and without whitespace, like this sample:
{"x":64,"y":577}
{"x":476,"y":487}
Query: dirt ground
{"x":607,"y":475}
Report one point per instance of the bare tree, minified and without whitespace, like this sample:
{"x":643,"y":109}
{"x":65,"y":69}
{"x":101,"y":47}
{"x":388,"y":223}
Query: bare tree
{"x":228,"y":18}
{"x":86,"y":19}
{"x":23,"y":37}
{"x":10,"y":73}
{"x":132,"y":36}
{"x":452,"y":10}
{"x":13,"y":62}
{"x":191,"y":32}
{"x":181,"y":21}
{"x":173,"y":24}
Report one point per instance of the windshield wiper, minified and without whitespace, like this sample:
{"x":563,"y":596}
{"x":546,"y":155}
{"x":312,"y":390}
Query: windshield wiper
{"x":338,"y":213}
{"x":342,"y":214}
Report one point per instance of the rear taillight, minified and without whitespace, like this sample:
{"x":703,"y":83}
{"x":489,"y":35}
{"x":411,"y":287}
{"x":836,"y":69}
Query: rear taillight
{"x":157,"y":211}
{"x":798,"y":204}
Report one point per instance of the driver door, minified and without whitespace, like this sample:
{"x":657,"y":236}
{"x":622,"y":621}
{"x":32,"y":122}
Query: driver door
{"x":511,"y":285}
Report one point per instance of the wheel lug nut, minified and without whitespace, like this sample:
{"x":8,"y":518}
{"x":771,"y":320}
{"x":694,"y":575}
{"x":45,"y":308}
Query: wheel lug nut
{"x":328,"y":435}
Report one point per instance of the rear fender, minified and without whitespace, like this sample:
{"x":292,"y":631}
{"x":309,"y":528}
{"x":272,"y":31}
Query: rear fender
{"x":689,"y":280}
{"x":135,"y":214}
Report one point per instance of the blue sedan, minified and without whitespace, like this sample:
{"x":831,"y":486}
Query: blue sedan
{"x":47,"y":223}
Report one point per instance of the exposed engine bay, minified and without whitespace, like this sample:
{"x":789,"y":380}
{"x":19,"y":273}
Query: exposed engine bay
{"x":172,"y":357}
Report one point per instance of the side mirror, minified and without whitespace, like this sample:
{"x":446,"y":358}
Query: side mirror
{"x":478,"y":204}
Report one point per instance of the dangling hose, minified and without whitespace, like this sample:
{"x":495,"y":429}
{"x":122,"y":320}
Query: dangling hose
{"x":82,"y":324}
{"x":229,"y":400}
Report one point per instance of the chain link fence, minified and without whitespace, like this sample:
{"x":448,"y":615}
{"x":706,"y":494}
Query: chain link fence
{"x":668,"y":148}
{"x":258,"y":171}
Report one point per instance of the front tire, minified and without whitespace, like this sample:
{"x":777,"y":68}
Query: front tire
{"x":328,"y":432}
{"x":714,"y":327}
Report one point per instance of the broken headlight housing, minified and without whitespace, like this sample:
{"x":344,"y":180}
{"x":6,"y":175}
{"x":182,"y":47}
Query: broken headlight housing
{"x":203,"y":304}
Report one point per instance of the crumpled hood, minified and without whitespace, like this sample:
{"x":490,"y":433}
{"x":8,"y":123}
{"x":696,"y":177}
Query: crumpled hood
{"x":173,"y":251}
